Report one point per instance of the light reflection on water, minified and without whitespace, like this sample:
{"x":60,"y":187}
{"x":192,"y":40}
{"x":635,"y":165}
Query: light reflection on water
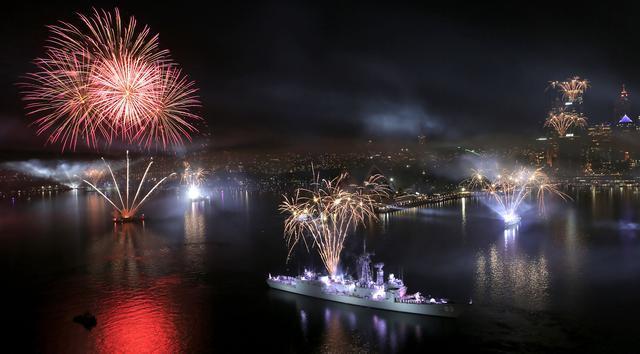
{"x":159,"y":278}
{"x":463,"y":211}
{"x":503,"y":273}
{"x":354,"y":329}
{"x":194,"y":234}
{"x":139,"y":321}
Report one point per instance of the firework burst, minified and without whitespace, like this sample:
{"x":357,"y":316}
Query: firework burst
{"x":93,"y":175}
{"x":572,"y":89}
{"x":128,"y":207}
{"x":327,"y":213}
{"x":510,"y":188}
{"x":193,"y":177}
{"x":123,"y":93}
{"x":58,"y":93}
{"x":106,"y":79}
{"x":562,"y":121}
{"x":104,"y":34}
{"x":172,"y":122}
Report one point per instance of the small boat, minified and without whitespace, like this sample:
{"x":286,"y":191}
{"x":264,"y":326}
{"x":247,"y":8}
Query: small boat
{"x":87,"y":320}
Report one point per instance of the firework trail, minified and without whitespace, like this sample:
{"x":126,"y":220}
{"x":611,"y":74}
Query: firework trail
{"x":562,"y":121}
{"x":172,"y":123}
{"x":105,"y":79}
{"x":128,"y":207}
{"x":509,"y":189}
{"x":327,"y":213}
{"x":58,"y":93}
{"x":572,"y":89}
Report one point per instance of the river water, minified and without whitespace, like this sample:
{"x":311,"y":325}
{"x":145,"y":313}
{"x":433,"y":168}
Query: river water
{"x":191,"y":278}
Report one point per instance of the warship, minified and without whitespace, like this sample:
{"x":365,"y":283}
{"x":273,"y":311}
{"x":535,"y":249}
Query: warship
{"x":388,"y":295}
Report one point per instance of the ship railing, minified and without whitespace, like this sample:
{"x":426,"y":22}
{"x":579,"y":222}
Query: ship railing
{"x":431,"y":301}
{"x":411,"y":301}
{"x":285,"y":279}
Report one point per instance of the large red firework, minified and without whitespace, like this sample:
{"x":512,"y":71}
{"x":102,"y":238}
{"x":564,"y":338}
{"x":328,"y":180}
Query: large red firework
{"x":175,"y":97}
{"x":106,"y":79}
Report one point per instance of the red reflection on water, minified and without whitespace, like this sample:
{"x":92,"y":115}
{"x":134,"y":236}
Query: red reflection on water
{"x":136,"y":322}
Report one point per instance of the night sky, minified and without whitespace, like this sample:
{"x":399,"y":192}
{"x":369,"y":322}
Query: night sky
{"x":281,"y":74}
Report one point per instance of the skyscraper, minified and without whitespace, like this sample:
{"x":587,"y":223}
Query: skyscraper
{"x":622,"y":106}
{"x":600,"y":149}
{"x":622,"y":113}
{"x":626,"y":134}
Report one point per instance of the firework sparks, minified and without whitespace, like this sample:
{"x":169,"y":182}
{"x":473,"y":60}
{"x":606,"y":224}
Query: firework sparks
{"x":174,"y":99}
{"x":562,"y":121}
{"x":128,"y":207}
{"x":510,"y":188}
{"x":193,"y":177}
{"x":123,"y":93}
{"x":572,"y":89}
{"x":327,"y":213}
{"x":108,"y":79}
{"x":58,"y":94}
{"x":105,"y":34}
{"x":94,"y":175}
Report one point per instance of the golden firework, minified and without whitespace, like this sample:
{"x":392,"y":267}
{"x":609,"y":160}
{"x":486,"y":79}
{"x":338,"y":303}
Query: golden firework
{"x":562,"y":121}
{"x":326,"y":214}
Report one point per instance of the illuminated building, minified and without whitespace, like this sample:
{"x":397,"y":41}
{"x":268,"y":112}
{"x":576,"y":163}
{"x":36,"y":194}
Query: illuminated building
{"x":625,"y":134}
{"x":626,"y":124}
{"x":622,"y":111}
{"x":569,"y":154}
{"x":599,"y":151}
{"x":622,"y":106}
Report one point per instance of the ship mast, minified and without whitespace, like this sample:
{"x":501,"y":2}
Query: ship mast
{"x":364,"y":267}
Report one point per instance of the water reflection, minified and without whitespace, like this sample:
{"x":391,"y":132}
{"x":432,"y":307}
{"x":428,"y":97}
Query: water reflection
{"x":384,"y":223}
{"x":463,"y":211}
{"x":138,"y":321}
{"x":138,"y":279}
{"x":345,"y":328}
{"x":506,"y":274}
{"x":121,"y":257}
{"x":95,"y":210}
{"x":510,"y":236}
{"x":194,"y":234}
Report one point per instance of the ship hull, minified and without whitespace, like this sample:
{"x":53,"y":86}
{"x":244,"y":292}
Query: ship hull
{"x":440,"y":310}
